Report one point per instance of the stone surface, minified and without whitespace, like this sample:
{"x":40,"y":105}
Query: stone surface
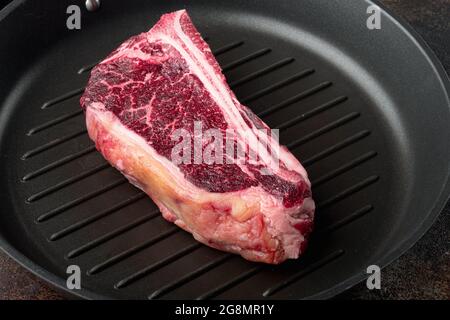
{"x":16,"y":283}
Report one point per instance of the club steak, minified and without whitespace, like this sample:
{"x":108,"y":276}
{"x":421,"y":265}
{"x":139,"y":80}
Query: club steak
{"x":168,"y":79}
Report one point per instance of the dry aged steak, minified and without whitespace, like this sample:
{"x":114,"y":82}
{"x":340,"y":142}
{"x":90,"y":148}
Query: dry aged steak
{"x":160,"y":111}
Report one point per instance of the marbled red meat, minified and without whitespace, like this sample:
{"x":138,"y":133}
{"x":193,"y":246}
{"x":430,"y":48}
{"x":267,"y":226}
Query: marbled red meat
{"x":166,"y":80}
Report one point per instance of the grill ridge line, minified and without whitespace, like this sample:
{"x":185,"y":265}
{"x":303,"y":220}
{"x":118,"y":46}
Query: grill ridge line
{"x":311,"y":268}
{"x":62,"y":98}
{"x":55,"y":121}
{"x":111,"y":235}
{"x":58,"y":210}
{"x":346,"y":220}
{"x":336,"y":147}
{"x":231,"y":283}
{"x":155,"y":266}
{"x":60,"y":185}
{"x":53,"y":143}
{"x":245,"y":59}
{"x":349,"y":191}
{"x":85,"y":222}
{"x":344,"y":168}
{"x":278,"y":85}
{"x":302,"y":95}
{"x":261,"y":72}
{"x":58,"y":163}
{"x":99,"y":267}
{"x":327,"y":128}
{"x":190,"y":276}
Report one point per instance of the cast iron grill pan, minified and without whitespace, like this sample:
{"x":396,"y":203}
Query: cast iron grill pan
{"x":366,"y":112}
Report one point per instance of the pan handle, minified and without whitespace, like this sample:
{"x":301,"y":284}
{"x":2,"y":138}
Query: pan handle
{"x":92,"y":5}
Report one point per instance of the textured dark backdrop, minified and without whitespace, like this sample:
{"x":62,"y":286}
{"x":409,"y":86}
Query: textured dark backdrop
{"x":422,"y":273}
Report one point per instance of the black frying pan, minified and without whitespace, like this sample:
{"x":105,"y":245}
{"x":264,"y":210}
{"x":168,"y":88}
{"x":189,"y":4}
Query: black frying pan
{"x":366,"y":111}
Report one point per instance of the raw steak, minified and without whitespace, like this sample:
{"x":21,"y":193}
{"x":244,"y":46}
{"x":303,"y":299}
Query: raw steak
{"x":166,"y":81}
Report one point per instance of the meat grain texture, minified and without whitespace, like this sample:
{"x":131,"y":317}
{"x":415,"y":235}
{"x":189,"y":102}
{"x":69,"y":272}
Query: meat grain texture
{"x":168,"y":79}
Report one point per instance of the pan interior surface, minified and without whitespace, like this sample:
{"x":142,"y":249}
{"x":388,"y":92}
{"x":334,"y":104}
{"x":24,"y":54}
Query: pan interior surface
{"x":349,"y":104}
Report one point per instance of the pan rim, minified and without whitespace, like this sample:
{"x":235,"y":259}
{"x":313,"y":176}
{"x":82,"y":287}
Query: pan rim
{"x":441,"y":200}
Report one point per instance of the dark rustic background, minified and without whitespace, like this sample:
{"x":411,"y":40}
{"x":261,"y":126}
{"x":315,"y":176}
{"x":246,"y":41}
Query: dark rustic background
{"x":422,"y":273}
